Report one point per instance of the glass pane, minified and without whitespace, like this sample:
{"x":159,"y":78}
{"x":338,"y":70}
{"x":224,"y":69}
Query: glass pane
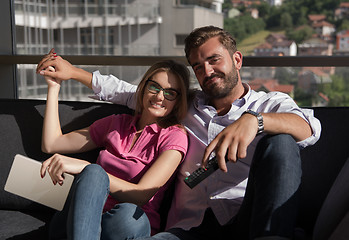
{"x":308,"y":86}
{"x":104,"y":27}
{"x":33,"y":86}
{"x":289,"y":28}
{"x":145,"y":28}
{"x":78,"y":27}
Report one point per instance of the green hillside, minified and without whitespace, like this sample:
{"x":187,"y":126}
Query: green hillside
{"x":250,"y":43}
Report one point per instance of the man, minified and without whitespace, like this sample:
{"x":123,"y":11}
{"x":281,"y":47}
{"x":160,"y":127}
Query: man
{"x":256,"y":193}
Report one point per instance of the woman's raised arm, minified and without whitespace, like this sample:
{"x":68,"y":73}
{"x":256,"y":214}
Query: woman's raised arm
{"x":53,"y":140}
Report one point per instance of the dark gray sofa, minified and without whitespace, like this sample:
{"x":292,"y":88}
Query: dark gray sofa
{"x":20,"y":129}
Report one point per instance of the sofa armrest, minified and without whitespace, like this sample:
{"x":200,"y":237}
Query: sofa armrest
{"x":335,"y":209}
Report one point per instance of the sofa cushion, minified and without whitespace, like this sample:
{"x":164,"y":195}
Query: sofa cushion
{"x":18,"y":225}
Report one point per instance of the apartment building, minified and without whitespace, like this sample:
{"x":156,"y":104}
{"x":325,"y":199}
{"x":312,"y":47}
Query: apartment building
{"x":105,"y":27}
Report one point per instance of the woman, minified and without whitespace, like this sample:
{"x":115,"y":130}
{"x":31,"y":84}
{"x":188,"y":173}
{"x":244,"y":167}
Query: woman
{"x":119,"y":196}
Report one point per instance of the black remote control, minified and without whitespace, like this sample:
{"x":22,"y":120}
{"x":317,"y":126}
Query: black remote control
{"x":201,"y":173}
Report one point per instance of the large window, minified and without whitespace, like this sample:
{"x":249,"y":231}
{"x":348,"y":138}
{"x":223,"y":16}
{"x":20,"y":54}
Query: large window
{"x":304,"y":55}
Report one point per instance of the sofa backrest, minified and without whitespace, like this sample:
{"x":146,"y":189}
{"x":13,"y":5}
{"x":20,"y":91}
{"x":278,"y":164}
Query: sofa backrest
{"x":20,"y":132}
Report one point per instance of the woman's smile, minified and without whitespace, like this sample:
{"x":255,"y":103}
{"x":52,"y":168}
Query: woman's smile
{"x":156,"y":105}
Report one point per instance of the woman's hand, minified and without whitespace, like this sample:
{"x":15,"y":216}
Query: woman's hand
{"x":52,"y":82}
{"x":58,"y":164}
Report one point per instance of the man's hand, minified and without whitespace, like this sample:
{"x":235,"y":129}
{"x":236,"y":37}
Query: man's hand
{"x":63,"y":69}
{"x":50,"y":56}
{"x":236,"y":137}
{"x":233,"y":141}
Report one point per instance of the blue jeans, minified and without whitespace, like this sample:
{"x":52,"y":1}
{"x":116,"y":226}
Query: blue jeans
{"x":271,"y":201}
{"x":82,"y":216}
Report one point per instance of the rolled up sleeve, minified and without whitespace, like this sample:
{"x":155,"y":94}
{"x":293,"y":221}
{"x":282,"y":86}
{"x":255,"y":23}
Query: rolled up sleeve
{"x":112,"y":89}
{"x":308,"y":115}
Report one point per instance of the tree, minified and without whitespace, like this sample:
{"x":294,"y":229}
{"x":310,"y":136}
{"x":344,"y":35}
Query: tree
{"x":273,"y":21}
{"x":243,"y":26}
{"x":227,"y":4}
{"x":343,"y":25}
{"x":300,"y":18}
{"x":263,"y":10}
{"x":286,"y":75}
{"x":286,"y":21}
{"x":337,"y":91}
{"x":237,"y":30}
{"x":303,"y":99}
{"x":300,"y":34}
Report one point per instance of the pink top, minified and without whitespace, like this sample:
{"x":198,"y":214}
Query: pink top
{"x":115,"y":133}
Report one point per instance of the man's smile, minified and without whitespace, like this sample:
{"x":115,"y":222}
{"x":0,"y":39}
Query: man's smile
{"x":212,"y":79}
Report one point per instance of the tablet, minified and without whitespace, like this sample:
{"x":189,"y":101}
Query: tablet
{"x":25,"y":180}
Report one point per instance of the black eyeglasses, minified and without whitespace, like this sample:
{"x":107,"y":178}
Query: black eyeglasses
{"x":169,"y":93}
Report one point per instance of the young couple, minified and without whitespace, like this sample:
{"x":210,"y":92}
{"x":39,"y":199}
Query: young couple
{"x":255,"y":195}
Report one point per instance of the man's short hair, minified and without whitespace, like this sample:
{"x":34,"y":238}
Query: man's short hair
{"x":200,"y":35}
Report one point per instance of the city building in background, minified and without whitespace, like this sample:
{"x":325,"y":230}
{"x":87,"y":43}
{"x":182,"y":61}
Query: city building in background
{"x":159,"y":27}
{"x":105,"y":27}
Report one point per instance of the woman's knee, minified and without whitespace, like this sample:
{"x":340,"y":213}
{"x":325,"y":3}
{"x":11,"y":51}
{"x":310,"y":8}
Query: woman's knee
{"x":125,"y":221}
{"x":94,"y":172}
{"x":92,"y":178}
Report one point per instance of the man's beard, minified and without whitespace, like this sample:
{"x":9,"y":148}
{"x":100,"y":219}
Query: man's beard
{"x":221,"y":89}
